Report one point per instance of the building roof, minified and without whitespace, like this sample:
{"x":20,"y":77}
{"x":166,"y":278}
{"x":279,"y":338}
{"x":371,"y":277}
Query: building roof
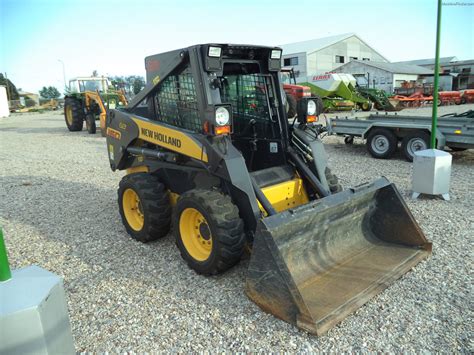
{"x":461,"y":62}
{"x":431,"y":61}
{"x":317,"y":44}
{"x":392,"y":67}
{"x":24,"y":93}
{"x":314,"y":44}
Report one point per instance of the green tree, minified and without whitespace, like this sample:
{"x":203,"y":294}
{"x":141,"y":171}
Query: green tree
{"x":12,"y":92}
{"x":49,"y":92}
{"x":138,"y":83}
{"x":132,"y":84}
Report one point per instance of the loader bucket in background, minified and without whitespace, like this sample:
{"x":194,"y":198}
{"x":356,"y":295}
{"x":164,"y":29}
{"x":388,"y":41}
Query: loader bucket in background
{"x":316,"y":264}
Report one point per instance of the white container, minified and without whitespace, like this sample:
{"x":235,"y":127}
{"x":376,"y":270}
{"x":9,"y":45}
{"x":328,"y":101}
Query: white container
{"x":33,"y":314}
{"x":4,"y":108}
{"x":431,"y":173}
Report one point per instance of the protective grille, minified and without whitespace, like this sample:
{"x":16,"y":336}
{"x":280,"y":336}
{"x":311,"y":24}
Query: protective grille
{"x":248,"y":96}
{"x":176,"y":102}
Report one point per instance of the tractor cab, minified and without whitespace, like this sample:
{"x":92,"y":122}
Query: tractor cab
{"x":83,"y":84}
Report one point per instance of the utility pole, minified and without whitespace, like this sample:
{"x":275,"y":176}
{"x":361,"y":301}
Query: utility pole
{"x":64,"y":73}
{"x":434,"y":118}
{"x":8,"y":87}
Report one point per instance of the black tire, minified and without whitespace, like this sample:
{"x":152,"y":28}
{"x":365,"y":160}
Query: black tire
{"x":154,"y":205}
{"x":319,"y":105}
{"x":90,"y":124}
{"x":366,"y":106}
{"x":381,"y":143}
{"x":291,"y":106}
{"x":456,"y":149}
{"x":414,"y":141}
{"x":349,"y":139}
{"x":221,"y":223}
{"x":333,"y":181}
{"x":73,"y":114}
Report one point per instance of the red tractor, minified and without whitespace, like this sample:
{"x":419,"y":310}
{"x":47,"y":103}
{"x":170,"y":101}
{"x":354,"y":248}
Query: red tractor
{"x":294,"y":92}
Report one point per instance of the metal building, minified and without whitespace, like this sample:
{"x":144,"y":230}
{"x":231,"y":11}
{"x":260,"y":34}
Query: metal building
{"x":322,"y":55}
{"x":383,"y":75}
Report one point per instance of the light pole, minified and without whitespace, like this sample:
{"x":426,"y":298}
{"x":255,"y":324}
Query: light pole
{"x":64,"y":73}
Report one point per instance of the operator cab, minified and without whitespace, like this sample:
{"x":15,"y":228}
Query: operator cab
{"x":84,"y":84}
{"x":257,"y":130}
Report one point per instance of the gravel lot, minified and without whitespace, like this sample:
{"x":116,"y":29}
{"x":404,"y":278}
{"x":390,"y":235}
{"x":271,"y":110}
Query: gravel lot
{"x":59,"y":211}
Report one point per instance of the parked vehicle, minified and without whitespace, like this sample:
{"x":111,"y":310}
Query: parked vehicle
{"x":383,"y":133}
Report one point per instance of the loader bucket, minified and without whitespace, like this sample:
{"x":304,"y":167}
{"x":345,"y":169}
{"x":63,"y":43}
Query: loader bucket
{"x":316,"y":264}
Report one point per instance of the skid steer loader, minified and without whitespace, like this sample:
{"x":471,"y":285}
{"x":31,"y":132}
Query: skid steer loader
{"x":208,"y":149}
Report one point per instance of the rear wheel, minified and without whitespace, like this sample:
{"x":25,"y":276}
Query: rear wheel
{"x":414,"y":142}
{"x":90,"y":123}
{"x":209,"y":232}
{"x":381,"y":143}
{"x":144,"y":207}
{"x":73,"y":114}
{"x":291,"y":106}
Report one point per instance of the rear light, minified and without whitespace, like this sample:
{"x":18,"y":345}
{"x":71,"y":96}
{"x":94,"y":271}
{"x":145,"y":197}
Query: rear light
{"x":218,"y":130}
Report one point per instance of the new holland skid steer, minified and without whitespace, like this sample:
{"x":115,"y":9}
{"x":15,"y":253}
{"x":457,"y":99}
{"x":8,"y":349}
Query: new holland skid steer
{"x":209,"y":150}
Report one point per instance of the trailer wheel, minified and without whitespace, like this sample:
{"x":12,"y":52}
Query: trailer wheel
{"x":381,"y":143}
{"x":144,"y":206}
{"x":90,"y":123}
{"x":209,"y":232}
{"x":414,"y":142}
{"x":73,"y":114}
{"x":349,"y":139}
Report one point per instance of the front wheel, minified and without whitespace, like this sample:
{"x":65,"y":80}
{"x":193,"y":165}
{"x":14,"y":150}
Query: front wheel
{"x":414,"y":142}
{"x":366,"y":106}
{"x":209,"y":232}
{"x":349,"y":139}
{"x":90,"y":123}
{"x":382,"y":143}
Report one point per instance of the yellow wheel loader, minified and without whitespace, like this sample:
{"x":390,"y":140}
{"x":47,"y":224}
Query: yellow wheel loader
{"x":210,"y":153}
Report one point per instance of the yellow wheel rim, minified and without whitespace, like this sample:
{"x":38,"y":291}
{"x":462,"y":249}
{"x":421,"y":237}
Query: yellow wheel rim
{"x":195,"y":234}
{"x":69,"y":115}
{"x":132,"y":208}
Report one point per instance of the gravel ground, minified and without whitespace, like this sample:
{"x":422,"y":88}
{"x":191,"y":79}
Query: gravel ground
{"x":59,"y":211}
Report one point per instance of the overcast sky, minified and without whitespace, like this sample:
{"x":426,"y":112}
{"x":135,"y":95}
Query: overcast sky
{"x":114,"y":36}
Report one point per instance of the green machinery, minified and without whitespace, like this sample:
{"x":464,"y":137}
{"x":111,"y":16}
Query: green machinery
{"x":89,"y":98}
{"x":380,"y":98}
{"x":338,"y":92}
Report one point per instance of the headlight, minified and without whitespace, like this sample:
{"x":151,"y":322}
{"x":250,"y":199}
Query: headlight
{"x":276,"y":54}
{"x":311,"y":108}
{"x":222,"y":116}
{"x":214,"y":52}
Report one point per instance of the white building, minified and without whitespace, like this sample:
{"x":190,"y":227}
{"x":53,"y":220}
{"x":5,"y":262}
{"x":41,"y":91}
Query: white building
{"x":383,"y":75}
{"x":322,"y":55}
